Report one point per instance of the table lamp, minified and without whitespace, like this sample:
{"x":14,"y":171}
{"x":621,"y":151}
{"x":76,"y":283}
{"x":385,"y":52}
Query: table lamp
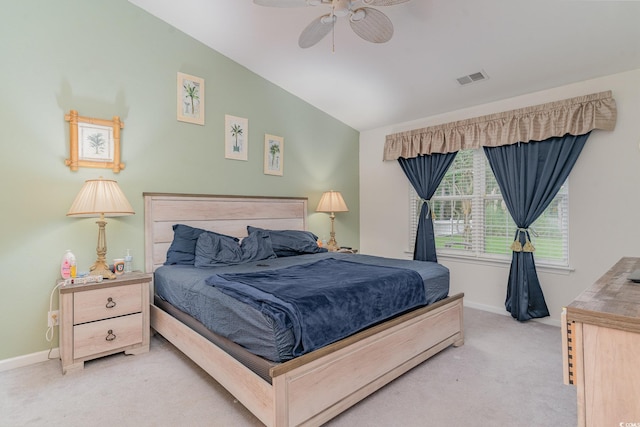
{"x":332,"y":201}
{"x":100,"y":198}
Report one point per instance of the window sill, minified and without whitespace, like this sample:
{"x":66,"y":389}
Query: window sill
{"x":503,"y":263}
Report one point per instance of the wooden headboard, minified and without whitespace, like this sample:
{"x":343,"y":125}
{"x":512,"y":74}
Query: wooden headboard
{"x":228,"y":215}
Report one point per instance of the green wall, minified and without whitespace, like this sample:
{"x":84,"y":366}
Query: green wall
{"x":110,"y":58}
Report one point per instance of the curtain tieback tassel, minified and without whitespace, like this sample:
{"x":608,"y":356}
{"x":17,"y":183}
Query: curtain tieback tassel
{"x":516,"y":246}
{"x":528,"y":247}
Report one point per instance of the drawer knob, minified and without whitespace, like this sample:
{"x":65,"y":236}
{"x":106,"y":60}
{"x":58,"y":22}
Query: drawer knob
{"x":110,"y":303}
{"x":110,"y":335}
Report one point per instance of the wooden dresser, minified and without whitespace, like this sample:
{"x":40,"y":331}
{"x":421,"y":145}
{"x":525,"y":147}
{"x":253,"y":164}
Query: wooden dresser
{"x":601,"y":348}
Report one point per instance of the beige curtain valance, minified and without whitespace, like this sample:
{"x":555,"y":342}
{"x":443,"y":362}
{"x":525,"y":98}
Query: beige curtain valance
{"x":575,"y":116}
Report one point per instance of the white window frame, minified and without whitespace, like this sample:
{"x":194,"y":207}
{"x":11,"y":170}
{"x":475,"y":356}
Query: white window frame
{"x":477,"y":235}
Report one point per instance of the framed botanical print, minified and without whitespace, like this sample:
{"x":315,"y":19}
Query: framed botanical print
{"x":190,"y":99}
{"x":273,"y":154}
{"x":236,"y":138}
{"x":94,"y":143}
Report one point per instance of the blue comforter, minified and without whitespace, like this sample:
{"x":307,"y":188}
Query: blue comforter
{"x":327,"y":300}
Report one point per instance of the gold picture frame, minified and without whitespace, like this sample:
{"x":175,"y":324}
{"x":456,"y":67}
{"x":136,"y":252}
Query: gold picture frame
{"x":94,"y":143}
{"x":190,"y":99}
{"x":273,"y":155}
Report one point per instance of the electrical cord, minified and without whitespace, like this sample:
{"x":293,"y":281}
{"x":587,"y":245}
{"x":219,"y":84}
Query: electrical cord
{"x":49,"y":334}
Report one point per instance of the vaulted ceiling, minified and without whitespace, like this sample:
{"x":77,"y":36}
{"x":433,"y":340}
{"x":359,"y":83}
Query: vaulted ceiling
{"x":522,"y":46}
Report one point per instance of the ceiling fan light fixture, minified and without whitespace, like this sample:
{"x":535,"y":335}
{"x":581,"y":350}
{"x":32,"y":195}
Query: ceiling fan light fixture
{"x":341,"y":8}
{"x":328,"y":19}
{"x":357,"y":15}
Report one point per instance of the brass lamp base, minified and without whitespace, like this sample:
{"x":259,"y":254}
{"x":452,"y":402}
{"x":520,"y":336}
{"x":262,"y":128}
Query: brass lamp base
{"x":332,"y":248}
{"x":101,"y":269}
{"x":332,"y":245}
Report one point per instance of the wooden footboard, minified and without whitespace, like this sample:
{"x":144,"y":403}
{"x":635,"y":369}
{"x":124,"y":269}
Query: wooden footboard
{"x":312,"y":389}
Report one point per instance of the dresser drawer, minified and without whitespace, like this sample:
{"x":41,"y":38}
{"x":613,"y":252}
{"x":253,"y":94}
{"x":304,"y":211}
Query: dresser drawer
{"x":106,"y":335}
{"x":101,"y":304}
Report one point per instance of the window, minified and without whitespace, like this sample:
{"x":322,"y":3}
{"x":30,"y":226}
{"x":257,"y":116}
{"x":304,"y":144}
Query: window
{"x":472,"y":220}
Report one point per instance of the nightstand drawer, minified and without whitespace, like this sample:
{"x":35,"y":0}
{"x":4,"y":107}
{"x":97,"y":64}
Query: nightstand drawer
{"x":106,"y":335}
{"x":100,"y":304}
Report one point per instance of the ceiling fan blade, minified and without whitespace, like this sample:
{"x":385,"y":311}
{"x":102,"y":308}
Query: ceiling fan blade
{"x":383,"y":2}
{"x":372,"y":25}
{"x":282,"y":3}
{"x":316,"y":31}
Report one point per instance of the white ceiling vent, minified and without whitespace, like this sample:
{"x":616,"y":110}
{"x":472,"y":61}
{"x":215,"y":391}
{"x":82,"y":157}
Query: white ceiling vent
{"x":472,"y":78}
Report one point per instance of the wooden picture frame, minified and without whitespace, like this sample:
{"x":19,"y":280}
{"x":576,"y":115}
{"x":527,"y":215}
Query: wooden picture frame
{"x":273,"y":155}
{"x":190,"y":97}
{"x":236,"y":138}
{"x":94,"y":143}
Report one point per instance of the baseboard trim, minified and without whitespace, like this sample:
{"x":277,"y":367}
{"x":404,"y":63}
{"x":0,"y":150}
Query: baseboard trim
{"x":500,"y":310}
{"x":28,"y":359}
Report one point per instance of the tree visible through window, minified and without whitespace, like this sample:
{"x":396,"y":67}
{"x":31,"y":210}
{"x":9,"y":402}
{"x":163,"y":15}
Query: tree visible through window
{"x":471,"y":219}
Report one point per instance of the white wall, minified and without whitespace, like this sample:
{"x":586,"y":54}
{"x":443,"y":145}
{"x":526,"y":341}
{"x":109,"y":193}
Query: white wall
{"x":604,"y":199}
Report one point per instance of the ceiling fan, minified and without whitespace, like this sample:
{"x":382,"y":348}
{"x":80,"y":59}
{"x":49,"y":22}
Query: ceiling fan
{"x":367,"y":22}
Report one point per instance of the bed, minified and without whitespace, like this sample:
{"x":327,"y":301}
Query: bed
{"x":309,"y":389}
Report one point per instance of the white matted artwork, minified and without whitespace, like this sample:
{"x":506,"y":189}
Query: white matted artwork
{"x":236,"y":138}
{"x":190,"y":99}
{"x":95,"y":142}
{"x":273,"y":154}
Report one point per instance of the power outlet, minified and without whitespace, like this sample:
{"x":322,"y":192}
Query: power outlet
{"x":52,"y":318}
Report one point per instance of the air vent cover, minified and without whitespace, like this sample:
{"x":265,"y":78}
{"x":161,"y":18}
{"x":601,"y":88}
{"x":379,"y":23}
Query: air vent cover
{"x":472,"y":78}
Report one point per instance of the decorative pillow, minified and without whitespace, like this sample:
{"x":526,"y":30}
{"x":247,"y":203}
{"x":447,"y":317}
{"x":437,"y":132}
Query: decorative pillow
{"x":291,"y":242}
{"x":257,"y":246}
{"x":183,"y":248}
{"x":213,"y":249}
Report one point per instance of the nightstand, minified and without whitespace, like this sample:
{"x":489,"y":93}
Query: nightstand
{"x":347,"y":251}
{"x":98,"y":319}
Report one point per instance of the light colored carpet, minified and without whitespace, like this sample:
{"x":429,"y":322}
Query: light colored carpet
{"x":507,"y":374}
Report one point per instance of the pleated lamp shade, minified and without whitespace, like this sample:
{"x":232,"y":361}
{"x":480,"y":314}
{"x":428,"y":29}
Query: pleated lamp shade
{"x":332,"y":201}
{"x":100,"y":197}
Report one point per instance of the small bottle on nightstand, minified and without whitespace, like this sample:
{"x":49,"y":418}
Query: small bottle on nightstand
{"x":128,"y":262}
{"x":68,"y":265}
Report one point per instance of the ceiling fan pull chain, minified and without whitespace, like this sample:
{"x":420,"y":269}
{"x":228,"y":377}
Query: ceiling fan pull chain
{"x":333,"y":26}
{"x":333,"y":36}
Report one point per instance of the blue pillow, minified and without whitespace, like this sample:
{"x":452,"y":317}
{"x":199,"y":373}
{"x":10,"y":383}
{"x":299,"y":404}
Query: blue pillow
{"x":213,"y":249}
{"x":257,"y":246}
{"x":183,"y":248}
{"x":291,"y":242}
